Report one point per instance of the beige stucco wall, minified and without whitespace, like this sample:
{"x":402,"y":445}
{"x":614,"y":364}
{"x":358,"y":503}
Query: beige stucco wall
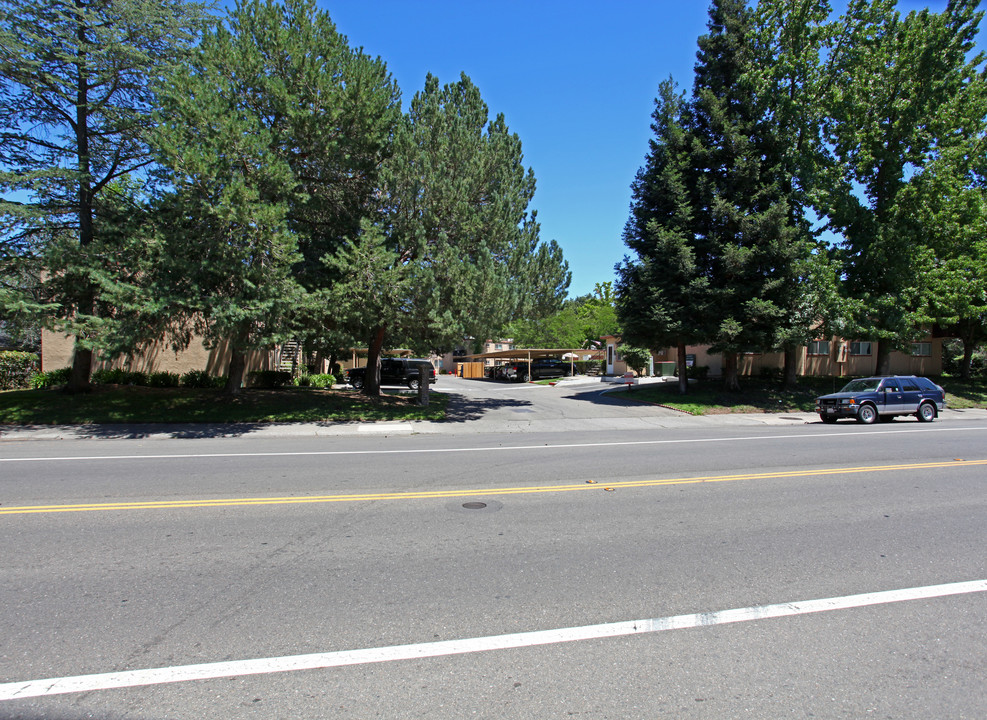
{"x":57,"y":349}
{"x":855,"y":365}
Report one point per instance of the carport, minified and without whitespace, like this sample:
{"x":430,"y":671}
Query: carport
{"x":529,"y":354}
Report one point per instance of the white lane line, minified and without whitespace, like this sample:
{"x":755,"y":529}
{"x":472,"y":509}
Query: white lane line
{"x":210,"y":671}
{"x":500,"y":448}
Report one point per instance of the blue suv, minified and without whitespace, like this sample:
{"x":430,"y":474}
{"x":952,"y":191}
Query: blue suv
{"x":883,"y":398}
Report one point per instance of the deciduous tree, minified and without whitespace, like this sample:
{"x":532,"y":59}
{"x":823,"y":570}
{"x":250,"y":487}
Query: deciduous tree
{"x":894,"y":95}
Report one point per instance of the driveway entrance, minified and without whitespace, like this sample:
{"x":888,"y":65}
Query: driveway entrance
{"x":583,"y":399}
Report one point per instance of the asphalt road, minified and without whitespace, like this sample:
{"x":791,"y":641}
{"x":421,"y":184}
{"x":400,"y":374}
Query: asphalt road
{"x":310,"y":562}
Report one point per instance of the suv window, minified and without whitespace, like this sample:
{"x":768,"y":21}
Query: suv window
{"x":926,"y":384}
{"x":862,"y":385}
{"x":891,"y":385}
{"x":909,"y":385}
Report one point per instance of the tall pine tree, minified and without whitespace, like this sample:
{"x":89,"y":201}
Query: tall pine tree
{"x":741,"y":212}
{"x":455,"y":198}
{"x":662,"y":294}
{"x":272,"y":139}
{"x":75,"y":107}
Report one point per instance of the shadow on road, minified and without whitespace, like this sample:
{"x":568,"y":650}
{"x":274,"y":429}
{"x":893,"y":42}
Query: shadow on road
{"x":597,"y":396}
{"x":465,"y":409}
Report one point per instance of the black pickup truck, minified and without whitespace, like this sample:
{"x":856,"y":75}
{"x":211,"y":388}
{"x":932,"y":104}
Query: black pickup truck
{"x":394,"y":371}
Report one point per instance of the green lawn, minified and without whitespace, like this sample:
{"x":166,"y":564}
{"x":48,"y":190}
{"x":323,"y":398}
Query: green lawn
{"x":112,"y":404}
{"x":708,"y":397}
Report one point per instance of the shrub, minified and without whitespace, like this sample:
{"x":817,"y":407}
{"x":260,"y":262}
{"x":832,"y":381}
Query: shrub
{"x":772,"y":373}
{"x":118,"y":376}
{"x":17,"y":369}
{"x":197,"y":379}
{"x":698,"y":371}
{"x":318,"y":380}
{"x":269,"y":379}
{"x":43,"y":380}
{"x":164,"y":380}
{"x":635,"y":357}
{"x":322,"y":380}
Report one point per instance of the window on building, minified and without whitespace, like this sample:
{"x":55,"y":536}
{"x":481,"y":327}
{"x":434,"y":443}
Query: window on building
{"x":922,"y":349}
{"x":819,"y":347}
{"x":860,"y":348}
{"x":498,"y":346}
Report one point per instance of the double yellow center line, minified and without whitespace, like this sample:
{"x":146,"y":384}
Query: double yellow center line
{"x":443,"y":494}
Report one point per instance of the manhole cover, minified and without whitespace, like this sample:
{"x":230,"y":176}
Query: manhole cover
{"x":474,"y":505}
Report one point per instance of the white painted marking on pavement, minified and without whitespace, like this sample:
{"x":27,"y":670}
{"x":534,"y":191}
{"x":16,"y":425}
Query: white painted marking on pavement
{"x":209,"y":671}
{"x":500,"y":448}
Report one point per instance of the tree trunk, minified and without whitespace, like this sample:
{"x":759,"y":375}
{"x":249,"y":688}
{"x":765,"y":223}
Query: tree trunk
{"x":82,"y":362}
{"x":965,"y":366}
{"x":371,"y":378}
{"x":682,"y":369}
{"x":883,"y":360}
{"x":730,"y":379}
{"x":82,"y":365}
{"x":791,"y":379}
{"x":238,"y":363}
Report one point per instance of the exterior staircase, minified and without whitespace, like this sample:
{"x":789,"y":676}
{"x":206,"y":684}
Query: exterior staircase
{"x":291,"y":357}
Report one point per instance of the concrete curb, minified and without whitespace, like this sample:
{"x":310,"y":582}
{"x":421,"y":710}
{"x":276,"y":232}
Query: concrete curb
{"x":384,"y":429}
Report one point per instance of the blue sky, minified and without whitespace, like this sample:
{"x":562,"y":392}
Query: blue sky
{"x":576,"y":80}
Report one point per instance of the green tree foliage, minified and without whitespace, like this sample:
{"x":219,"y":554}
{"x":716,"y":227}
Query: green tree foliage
{"x":580,"y":323}
{"x":788,"y":82}
{"x":272,"y":139}
{"x":75,"y":107}
{"x":947,"y":207}
{"x":455,"y":198}
{"x":716,"y":222}
{"x":663,"y":296}
{"x":895,"y":94}
{"x":743,"y":219}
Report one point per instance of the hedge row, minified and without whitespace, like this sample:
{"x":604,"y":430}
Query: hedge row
{"x":116,"y":376}
{"x":17,"y":369}
{"x":279,"y":378}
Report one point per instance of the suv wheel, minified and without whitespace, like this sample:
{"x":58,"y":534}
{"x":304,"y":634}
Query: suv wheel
{"x":357,"y":383}
{"x":867,"y":414}
{"x":522,"y":377}
{"x":926,"y":412}
{"x":413,"y":383}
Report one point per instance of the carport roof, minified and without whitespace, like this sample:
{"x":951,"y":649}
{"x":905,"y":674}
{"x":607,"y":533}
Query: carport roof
{"x":531,"y":353}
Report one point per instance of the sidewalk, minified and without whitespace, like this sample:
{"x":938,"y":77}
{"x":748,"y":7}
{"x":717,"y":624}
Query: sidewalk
{"x":479,"y":426}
